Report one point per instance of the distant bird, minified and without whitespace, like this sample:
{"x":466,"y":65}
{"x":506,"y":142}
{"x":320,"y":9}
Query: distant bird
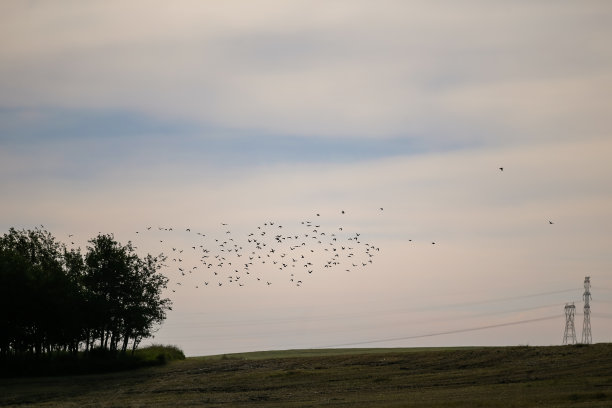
{"x":550,"y":222}
{"x":501,"y":169}
{"x":271,"y":249}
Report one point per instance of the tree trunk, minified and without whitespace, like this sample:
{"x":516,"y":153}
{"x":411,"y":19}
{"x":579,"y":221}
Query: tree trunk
{"x":135,"y":344}
{"x":126,"y":340}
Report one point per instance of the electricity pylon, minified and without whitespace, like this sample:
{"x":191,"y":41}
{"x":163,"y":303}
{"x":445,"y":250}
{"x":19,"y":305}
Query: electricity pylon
{"x":569,"y":336}
{"x":587,"y":338}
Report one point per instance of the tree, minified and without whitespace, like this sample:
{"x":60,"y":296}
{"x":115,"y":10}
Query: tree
{"x":124,"y":292}
{"x":34,"y":296}
{"x":53,"y":299}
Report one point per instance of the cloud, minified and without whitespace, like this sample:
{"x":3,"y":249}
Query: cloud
{"x":347,"y":69}
{"x":116,"y":115}
{"x":490,"y":227}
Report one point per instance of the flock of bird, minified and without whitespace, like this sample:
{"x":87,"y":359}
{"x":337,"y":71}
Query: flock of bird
{"x":268,"y":254}
{"x":271,"y":252}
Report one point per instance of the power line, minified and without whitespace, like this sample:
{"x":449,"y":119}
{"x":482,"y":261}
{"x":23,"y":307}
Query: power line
{"x":506,"y":299}
{"x":418,"y":336}
{"x":362,"y":314}
{"x":318,"y":318}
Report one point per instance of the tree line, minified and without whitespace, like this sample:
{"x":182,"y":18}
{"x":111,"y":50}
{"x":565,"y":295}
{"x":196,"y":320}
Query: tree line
{"x":54,"y":299}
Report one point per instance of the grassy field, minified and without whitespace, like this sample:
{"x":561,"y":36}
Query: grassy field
{"x":560,"y":376}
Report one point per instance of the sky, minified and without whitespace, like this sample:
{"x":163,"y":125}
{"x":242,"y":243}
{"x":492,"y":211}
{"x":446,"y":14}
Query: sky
{"x":387,"y":119}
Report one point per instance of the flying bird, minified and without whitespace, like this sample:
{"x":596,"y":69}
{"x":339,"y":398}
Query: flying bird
{"x":272,"y":249}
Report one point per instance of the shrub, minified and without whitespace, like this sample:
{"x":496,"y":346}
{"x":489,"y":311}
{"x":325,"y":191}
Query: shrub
{"x":159,"y":354}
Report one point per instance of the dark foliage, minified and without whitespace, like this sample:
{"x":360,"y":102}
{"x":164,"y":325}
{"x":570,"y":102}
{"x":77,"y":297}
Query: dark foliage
{"x":55,"y":302}
{"x":98,"y":360}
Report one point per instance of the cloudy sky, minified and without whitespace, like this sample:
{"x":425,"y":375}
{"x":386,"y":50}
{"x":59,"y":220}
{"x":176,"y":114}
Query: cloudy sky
{"x":116,"y":116}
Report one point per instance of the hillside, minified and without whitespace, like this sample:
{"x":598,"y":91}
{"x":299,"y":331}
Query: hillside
{"x":556,"y":376}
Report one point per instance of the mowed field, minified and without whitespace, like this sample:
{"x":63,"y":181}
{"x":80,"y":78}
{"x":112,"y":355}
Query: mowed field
{"x":522,"y":376}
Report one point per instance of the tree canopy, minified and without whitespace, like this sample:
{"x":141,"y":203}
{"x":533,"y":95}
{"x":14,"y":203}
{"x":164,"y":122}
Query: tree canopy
{"x":56,"y":299}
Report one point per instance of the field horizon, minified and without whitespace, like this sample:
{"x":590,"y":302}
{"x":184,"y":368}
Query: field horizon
{"x":510,"y":376}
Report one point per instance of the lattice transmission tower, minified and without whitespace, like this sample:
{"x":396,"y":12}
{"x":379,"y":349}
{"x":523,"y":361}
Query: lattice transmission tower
{"x":587,"y":338}
{"x":569,"y":336}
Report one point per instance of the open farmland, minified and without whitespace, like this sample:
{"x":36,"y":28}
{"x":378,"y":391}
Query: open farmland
{"x":558,"y":376}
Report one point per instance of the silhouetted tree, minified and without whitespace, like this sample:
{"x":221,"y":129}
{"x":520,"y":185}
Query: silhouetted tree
{"x":124,"y":291}
{"x":35,"y":291}
{"x":54,"y":299}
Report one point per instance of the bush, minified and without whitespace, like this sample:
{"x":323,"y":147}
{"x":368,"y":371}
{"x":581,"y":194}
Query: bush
{"x":160,"y":354}
{"x":98,"y":360}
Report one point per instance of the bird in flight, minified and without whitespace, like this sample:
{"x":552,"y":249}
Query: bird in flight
{"x":501,"y":169}
{"x":550,"y":222}
{"x":272,"y":247}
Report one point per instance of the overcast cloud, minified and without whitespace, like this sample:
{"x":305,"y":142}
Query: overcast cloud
{"x":116,"y":115}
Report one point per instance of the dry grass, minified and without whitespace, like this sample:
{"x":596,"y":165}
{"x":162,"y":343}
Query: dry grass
{"x":562,"y":376}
